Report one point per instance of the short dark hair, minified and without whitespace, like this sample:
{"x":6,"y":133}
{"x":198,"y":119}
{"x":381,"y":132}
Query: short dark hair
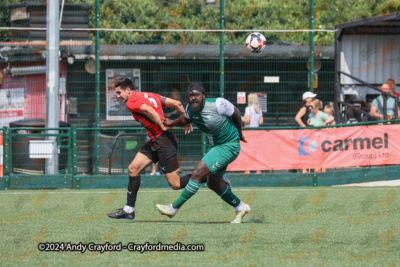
{"x":125,"y":83}
{"x":199,"y":87}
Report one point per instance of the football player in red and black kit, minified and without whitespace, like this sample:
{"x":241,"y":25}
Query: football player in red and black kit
{"x":147,"y":109}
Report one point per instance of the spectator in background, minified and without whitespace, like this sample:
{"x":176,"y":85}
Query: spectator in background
{"x":304,"y":113}
{"x":317,"y":117}
{"x":377,"y":104}
{"x":253,"y":116}
{"x":392,"y":84}
{"x":328,"y":110}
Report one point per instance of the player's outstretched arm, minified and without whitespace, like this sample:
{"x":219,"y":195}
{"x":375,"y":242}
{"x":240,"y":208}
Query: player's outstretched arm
{"x":237,"y":120}
{"x":169,"y":102}
{"x":153,"y":116}
{"x":181,"y":121}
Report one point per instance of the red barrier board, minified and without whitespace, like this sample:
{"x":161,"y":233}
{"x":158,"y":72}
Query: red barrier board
{"x":324,"y":148}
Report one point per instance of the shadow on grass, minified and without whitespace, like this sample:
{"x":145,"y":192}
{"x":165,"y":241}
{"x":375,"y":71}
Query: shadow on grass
{"x":210,"y":222}
{"x":253,"y":219}
{"x":226,"y":222}
{"x":156,"y":221}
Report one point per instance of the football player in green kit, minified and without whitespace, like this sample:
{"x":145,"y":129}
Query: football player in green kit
{"x":222,"y":124}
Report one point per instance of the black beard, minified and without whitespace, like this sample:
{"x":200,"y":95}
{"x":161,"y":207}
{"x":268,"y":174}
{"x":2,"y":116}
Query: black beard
{"x":196,"y":109}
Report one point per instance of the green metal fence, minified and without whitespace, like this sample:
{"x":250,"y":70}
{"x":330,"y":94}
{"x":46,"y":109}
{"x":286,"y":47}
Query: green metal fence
{"x":25,"y":163}
{"x":190,"y":149}
{"x":162,"y":48}
{"x":164,"y":58}
{"x":28,"y":150}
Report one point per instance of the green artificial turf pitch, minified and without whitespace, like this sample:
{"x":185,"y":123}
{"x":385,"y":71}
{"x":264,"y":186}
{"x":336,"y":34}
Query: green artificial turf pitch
{"x":318,"y":226}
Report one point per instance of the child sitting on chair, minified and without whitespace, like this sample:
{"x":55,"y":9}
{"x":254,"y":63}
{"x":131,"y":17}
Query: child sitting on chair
{"x":328,"y":110}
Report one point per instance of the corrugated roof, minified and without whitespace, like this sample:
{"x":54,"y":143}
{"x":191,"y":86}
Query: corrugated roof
{"x":200,"y":51}
{"x":146,"y":52}
{"x":385,"y":24}
{"x":36,"y":4}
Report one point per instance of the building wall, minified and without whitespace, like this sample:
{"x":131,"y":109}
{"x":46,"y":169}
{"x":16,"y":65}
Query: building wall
{"x":373,"y":58}
{"x":33,"y":88}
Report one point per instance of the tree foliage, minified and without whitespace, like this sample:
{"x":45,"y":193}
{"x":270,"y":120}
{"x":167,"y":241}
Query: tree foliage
{"x":239,"y":15}
{"x":5,"y":17}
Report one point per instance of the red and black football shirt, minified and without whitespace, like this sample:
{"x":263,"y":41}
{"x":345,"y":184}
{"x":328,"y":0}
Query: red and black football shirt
{"x":136,"y":100}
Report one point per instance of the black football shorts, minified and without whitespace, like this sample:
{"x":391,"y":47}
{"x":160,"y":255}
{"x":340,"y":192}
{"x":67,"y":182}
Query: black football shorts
{"x":163,"y":150}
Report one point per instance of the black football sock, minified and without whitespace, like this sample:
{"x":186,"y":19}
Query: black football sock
{"x":185,"y":179}
{"x":133,"y":187}
{"x":204,"y":179}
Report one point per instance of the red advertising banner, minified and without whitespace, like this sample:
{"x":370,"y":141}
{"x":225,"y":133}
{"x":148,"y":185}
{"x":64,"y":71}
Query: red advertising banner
{"x":325,"y":148}
{"x":12,"y":113}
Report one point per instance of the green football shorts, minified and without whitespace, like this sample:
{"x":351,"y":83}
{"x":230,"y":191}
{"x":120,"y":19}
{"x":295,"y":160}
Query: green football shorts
{"x":219,"y":156}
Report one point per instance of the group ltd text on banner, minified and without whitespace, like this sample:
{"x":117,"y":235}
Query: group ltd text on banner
{"x":324,"y":148}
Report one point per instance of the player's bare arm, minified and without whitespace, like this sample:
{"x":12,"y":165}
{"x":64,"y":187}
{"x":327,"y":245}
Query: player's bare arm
{"x":152,"y":115}
{"x":237,"y":120}
{"x":169,"y":102}
{"x":181,"y":121}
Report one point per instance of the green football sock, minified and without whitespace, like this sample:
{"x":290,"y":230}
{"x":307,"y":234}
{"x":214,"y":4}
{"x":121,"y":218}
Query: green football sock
{"x":229,"y":197}
{"x":189,"y":190}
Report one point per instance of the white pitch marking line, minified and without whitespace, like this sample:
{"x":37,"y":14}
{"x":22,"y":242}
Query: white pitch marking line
{"x":201,"y":190}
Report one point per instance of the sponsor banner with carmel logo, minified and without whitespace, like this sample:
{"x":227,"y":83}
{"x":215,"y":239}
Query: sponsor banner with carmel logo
{"x":325,"y":148}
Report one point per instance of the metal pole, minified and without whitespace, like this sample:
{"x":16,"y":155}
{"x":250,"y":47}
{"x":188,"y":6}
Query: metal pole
{"x":97,"y":109}
{"x":338,"y":107}
{"x":311,"y":57}
{"x":52,"y":80}
{"x":74,"y":169}
{"x":10,"y":142}
{"x":61,"y":13}
{"x":385,"y":97}
{"x":6,"y":169}
{"x":221,"y":51}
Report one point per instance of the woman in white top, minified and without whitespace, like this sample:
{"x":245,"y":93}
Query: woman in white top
{"x":252,"y":116}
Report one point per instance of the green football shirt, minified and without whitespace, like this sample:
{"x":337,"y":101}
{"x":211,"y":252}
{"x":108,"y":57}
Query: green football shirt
{"x":214,"y":120}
